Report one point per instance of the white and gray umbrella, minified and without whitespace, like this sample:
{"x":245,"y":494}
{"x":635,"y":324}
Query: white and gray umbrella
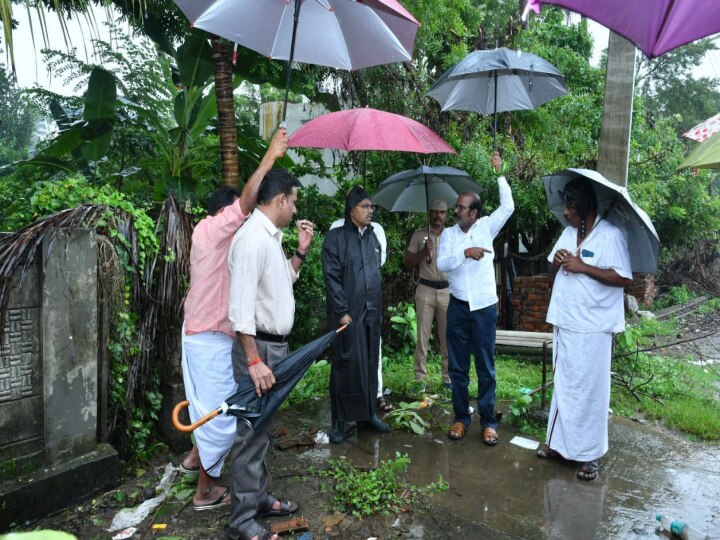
{"x":616,"y":206}
{"x":489,"y":82}
{"x":344,"y":34}
{"x":412,"y":191}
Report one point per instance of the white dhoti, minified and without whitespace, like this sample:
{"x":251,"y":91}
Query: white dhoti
{"x":208,"y":378}
{"x":578,"y":423}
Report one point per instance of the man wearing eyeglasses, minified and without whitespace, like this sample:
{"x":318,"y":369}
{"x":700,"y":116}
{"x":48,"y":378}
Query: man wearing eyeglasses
{"x":351,"y":257}
{"x":465,"y":253}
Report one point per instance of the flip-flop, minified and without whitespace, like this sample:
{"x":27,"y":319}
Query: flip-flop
{"x":192,"y":472}
{"x":217,"y":503}
{"x":588,"y":471}
{"x":286,"y":508}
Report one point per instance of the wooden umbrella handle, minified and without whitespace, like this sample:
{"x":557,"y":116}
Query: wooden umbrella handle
{"x":190,"y":427}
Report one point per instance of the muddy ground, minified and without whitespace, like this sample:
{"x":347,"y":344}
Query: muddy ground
{"x":501,"y":514}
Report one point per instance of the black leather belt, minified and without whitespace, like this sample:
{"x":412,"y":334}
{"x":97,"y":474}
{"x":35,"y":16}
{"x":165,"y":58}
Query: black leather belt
{"x":435,"y":284}
{"x":274,"y":338}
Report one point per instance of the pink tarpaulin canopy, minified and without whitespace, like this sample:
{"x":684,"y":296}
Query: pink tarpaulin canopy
{"x":369,"y":129}
{"x":655,"y":26}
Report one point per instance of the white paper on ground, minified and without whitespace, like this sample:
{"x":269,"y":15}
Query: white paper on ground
{"x":525,"y":443}
{"x":129,"y":517}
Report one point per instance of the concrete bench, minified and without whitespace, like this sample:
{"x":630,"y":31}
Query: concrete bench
{"x":517,"y":342}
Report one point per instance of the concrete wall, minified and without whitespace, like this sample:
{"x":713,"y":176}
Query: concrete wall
{"x":49,"y":407}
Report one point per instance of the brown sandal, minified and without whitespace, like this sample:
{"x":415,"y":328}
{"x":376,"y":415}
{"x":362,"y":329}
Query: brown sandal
{"x":490,"y":436}
{"x":457,"y":431}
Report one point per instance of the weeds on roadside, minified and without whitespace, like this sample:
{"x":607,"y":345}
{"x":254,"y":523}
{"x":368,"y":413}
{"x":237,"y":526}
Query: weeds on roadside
{"x":367,"y":492}
{"x":405,"y":415}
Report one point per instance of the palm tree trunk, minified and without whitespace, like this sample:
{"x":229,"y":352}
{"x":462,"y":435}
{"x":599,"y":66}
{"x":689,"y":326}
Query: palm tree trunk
{"x":226,"y":110}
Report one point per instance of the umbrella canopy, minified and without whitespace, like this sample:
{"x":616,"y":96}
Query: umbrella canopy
{"x":654,"y":26}
{"x":368,"y":129}
{"x":705,"y":156}
{"x":345,"y":34}
{"x":258,"y":411}
{"x":704,"y":129}
{"x":498,"y":80}
{"x":412,"y":191}
{"x":614,"y":205}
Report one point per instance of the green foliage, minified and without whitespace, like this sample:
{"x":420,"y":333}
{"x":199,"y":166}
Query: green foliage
{"x":404,"y":326}
{"x":16,"y":124}
{"x":183,"y":489}
{"x":675,"y":296}
{"x":405,"y":415}
{"x":364,"y":493}
{"x":710,"y":305}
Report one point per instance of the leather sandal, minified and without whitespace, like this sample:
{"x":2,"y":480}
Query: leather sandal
{"x":588,"y":471}
{"x":457,"y":431}
{"x":490,"y":436}
{"x":384,"y":405}
{"x":286,"y":508}
{"x":548,"y":453}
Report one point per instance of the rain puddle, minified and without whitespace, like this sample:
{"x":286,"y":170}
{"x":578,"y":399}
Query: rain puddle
{"x":509,"y":492}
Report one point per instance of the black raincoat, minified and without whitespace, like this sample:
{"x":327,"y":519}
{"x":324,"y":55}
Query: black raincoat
{"x":351,"y":265}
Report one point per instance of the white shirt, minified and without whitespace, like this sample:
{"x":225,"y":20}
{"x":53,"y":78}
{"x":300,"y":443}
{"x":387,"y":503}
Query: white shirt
{"x":379,"y":233}
{"x":470,"y":280}
{"x":261,"y":279}
{"x":581,"y":303}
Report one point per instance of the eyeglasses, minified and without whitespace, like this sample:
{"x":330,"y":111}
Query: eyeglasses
{"x":368,"y":206}
{"x":460,"y":207}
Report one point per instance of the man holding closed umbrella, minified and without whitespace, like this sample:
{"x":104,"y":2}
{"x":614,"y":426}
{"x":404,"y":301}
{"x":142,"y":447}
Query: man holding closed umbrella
{"x":261,"y":311}
{"x":472,"y":312}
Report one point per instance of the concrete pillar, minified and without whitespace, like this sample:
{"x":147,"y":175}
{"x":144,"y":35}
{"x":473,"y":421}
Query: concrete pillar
{"x":69,"y":338}
{"x":614,"y":144}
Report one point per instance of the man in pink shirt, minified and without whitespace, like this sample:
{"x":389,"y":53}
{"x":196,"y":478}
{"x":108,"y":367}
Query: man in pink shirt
{"x":207,"y":335}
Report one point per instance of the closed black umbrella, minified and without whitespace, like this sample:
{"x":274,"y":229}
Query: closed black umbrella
{"x":257,"y":411}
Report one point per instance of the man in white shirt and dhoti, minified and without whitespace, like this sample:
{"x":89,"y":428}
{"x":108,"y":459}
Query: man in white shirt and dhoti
{"x":591,"y":264}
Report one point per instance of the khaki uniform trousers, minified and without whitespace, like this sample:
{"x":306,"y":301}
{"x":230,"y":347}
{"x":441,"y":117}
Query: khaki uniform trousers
{"x":430,"y":304}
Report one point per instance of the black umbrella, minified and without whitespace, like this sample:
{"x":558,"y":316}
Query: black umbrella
{"x":489,"y":82}
{"x":257,"y":411}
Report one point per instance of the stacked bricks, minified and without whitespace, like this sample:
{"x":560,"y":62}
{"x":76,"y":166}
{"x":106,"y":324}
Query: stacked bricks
{"x":531,"y":298}
{"x":643,"y":289}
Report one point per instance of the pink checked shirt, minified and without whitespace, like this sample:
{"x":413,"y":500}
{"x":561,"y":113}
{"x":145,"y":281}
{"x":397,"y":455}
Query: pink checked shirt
{"x":206,"y":305}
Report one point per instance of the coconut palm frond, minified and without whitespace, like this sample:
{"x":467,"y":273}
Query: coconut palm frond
{"x":17,"y":250}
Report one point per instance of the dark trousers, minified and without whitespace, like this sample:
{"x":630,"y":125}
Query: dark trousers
{"x":472,"y":332}
{"x":248,"y":473}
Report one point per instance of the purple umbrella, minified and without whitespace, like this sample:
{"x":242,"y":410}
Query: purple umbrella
{"x":654,"y":26}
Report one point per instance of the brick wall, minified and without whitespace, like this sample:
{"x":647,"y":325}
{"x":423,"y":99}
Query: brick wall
{"x":643,"y":289}
{"x":531,"y":298}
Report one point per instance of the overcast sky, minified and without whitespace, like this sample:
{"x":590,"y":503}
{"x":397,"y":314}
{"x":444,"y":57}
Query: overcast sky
{"x":30,"y":69}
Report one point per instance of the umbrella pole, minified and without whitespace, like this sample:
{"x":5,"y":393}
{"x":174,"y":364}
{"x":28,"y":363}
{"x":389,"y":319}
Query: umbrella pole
{"x":494,"y":113}
{"x":296,"y":17}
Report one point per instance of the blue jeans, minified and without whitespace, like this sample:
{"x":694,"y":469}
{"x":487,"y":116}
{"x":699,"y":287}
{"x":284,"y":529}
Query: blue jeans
{"x":472,"y":331}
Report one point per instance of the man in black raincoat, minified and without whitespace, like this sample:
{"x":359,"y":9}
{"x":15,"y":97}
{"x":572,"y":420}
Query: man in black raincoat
{"x":351,"y":264}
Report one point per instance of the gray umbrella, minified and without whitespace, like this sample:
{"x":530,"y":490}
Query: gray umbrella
{"x":412,"y":191}
{"x":498,"y":80}
{"x":614,"y":205}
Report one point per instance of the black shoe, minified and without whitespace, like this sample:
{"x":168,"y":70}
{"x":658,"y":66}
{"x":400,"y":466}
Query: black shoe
{"x":376,"y":424}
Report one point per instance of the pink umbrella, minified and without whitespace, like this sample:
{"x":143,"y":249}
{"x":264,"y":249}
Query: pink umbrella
{"x":655,"y":26}
{"x":704,"y":129}
{"x":368,"y":129}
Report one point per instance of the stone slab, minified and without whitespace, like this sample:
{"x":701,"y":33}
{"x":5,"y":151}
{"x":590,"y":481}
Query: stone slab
{"x":48,"y":490}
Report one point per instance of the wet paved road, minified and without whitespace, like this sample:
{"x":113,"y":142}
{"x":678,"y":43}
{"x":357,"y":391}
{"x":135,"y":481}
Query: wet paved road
{"x":510,"y":492}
